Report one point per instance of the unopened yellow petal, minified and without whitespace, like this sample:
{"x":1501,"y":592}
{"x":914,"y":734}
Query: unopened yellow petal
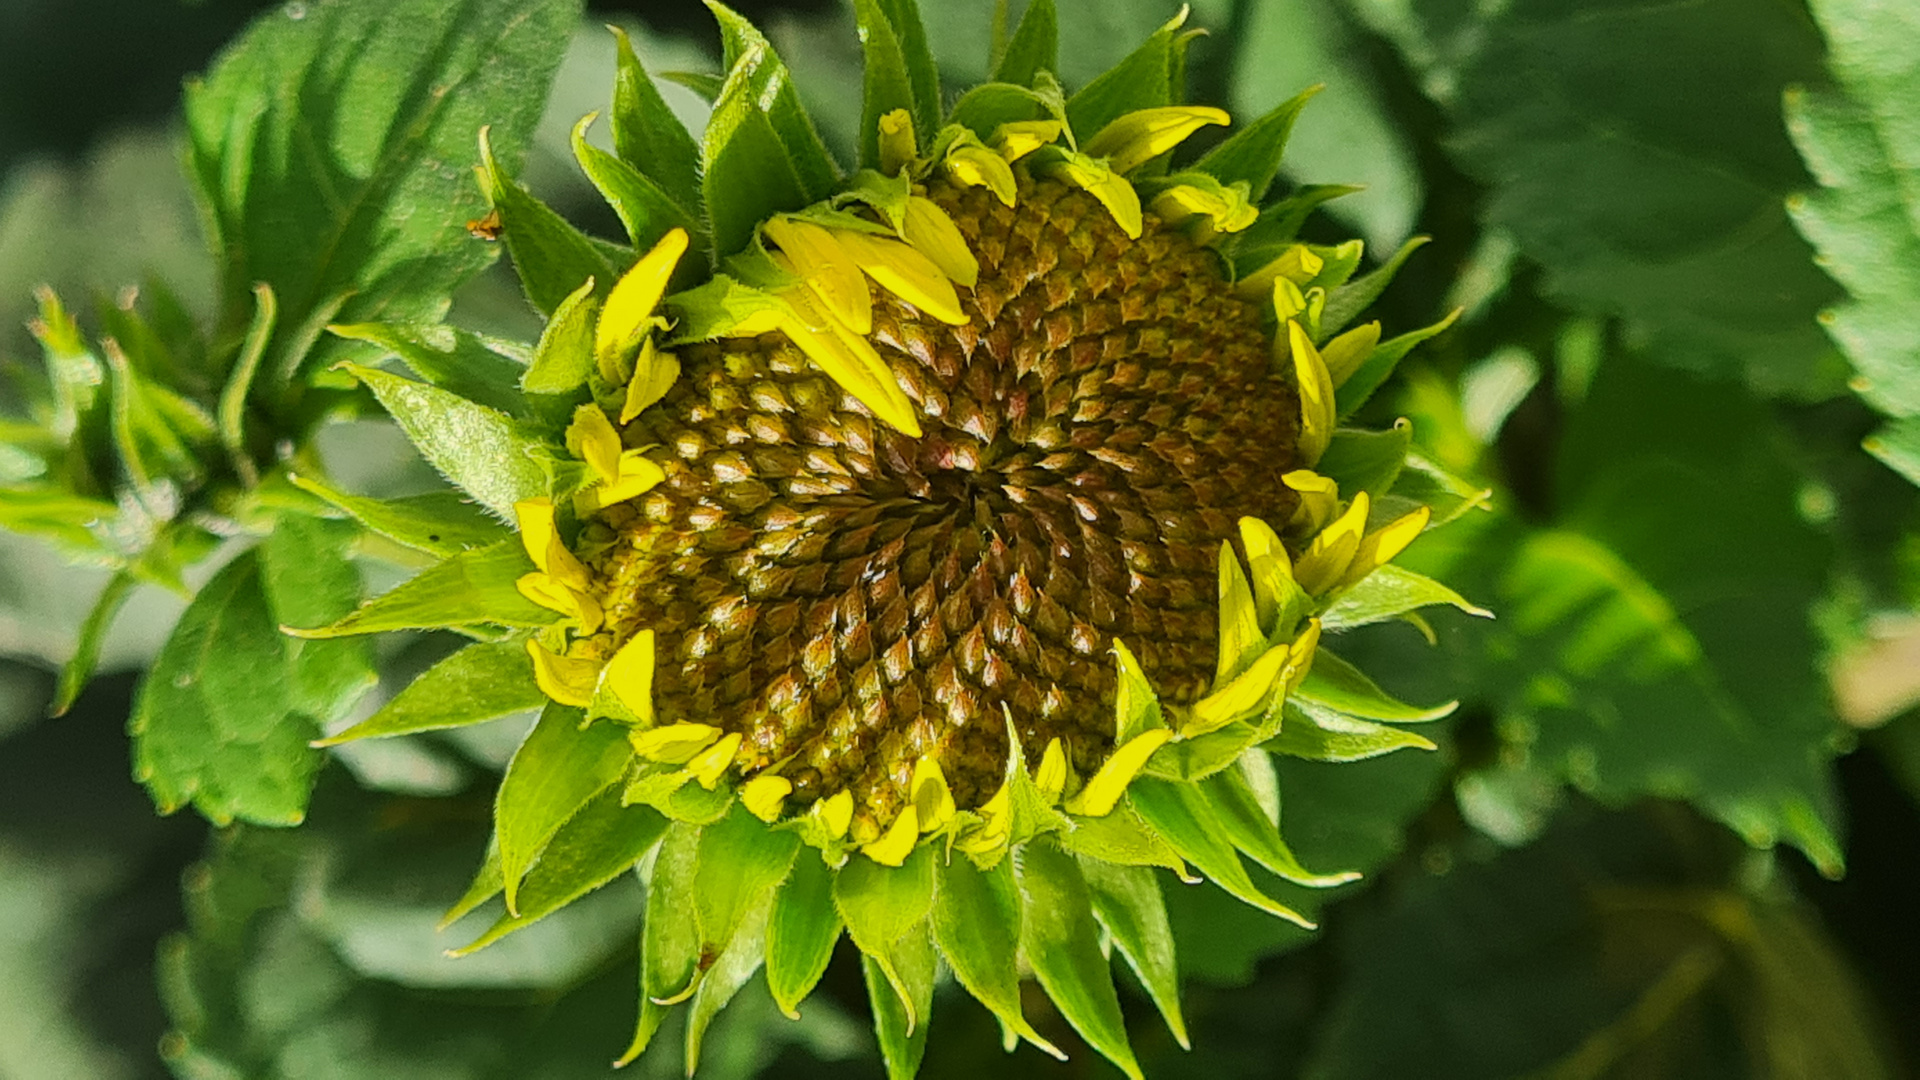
{"x":1268,"y":568}
{"x":832,"y":275}
{"x":996,"y":824}
{"x":1243,"y":696}
{"x":1331,"y":551}
{"x":932,"y":798}
{"x":1300,"y":656}
{"x":563,"y":678}
{"x":630,"y":306}
{"x":1379,"y":547}
{"x":653,"y":375}
{"x":1316,"y":395}
{"x":638,"y":474}
{"x":1138,"y":137}
{"x":673,"y":744}
{"x":764,"y":795}
{"x":835,"y":813}
{"x":550,"y":594}
{"x":593,"y":439}
{"x":1103,"y":792}
{"x":1051,"y":778}
{"x":907,"y":274}
{"x":1226,"y":209}
{"x":1346,"y":353}
{"x":1018,"y":138}
{"x":897,"y":145}
{"x":1296,"y":266}
{"x":1319,"y":500}
{"x":630,"y":675}
{"x":933,"y":234}
{"x":1114,"y":191}
{"x":977,"y":166}
{"x":537,"y":530}
{"x":851,"y":361}
{"x":893,"y":848}
{"x":709,"y":765}
{"x":564,"y":568}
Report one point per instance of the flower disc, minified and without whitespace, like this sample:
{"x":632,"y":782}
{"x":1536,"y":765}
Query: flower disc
{"x":850,"y":598}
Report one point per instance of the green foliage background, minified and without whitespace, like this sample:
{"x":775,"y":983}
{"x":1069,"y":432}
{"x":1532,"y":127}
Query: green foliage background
{"x":1686,"y":239}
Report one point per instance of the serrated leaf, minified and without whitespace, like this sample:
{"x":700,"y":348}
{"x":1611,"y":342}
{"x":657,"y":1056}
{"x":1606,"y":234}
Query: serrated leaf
{"x":1127,"y":901}
{"x":479,"y":449}
{"x":646,"y":133}
{"x":1034,"y":47}
{"x":481,"y":682}
{"x":1188,"y":823}
{"x":1336,"y":684}
{"x":473,"y":588}
{"x":351,"y":120}
{"x":552,"y":775}
{"x":976,"y":924}
{"x":452,"y":359}
{"x":439,"y":523}
{"x":1389,"y":592}
{"x":1898,"y":444}
{"x":1060,"y":943}
{"x":307,"y":577}
{"x":800,"y":937}
{"x":1253,"y":153}
{"x":900,"y":1025}
{"x":601,"y":841}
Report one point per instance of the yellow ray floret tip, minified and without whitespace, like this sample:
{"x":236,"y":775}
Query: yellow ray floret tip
{"x":1140,"y":136}
{"x":673,"y":744}
{"x":563,"y":678}
{"x":1103,"y":792}
{"x":630,"y":305}
{"x":630,"y":675}
{"x":897,"y":842}
{"x":763,"y":796}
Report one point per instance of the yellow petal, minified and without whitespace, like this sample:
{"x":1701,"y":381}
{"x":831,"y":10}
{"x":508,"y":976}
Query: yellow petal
{"x":1346,"y":353}
{"x":907,"y":274}
{"x":764,"y":795}
{"x":1289,"y":302}
{"x":897,"y":145}
{"x":1051,"y":778}
{"x":893,"y":848}
{"x":564,"y":568}
{"x":1102,"y":792}
{"x":709,"y":765}
{"x":537,"y":530}
{"x":835,"y":813}
{"x":653,"y":375}
{"x":932,"y":799}
{"x":630,"y":675}
{"x":1268,"y":567}
{"x":933,"y":234}
{"x":1379,"y":547}
{"x":1226,"y":211}
{"x":562,"y":678}
{"x":1018,"y":138}
{"x":592,"y":438}
{"x":1316,"y":395}
{"x":996,"y":824}
{"x":1300,"y":656}
{"x":1114,"y":191}
{"x":630,"y":306}
{"x":1331,"y":551}
{"x":1140,"y":136}
{"x":816,"y":254}
{"x":1319,"y":500}
{"x":977,"y":166}
{"x":638,"y":475}
{"x":1244,"y":695}
{"x":850,"y":361}
{"x":1296,"y":266}
{"x":674,"y":744}
{"x":550,"y":594}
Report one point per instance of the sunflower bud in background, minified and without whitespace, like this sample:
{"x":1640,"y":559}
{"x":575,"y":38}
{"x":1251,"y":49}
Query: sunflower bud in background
{"x":927,"y":552}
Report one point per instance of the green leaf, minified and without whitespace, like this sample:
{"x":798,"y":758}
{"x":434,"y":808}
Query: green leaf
{"x":1034,"y":47}
{"x":1253,"y":153}
{"x":213,"y":722}
{"x":57,"y":515}
{"x":480,"y":449}
{"x":732,"y":969}
{"x":328,"y":144}
{"x":1316,"y":733}
{"x":450,"y":358}
{"x":308,"y":579}
{"x":603,"y":840}
{"x":900,"y":1023}
{"x":551,"y":257}
{"x":976,"y":924}
{"x":481,"y":682}
{"x":646,"y":210}
{"x":881,"y":903}
{"x":739,"y":859}
{"x":1345,"y":303}
{"x":670,"y":937}
{"x":887,"y":83}
{"x":646,"y":133}
{"x":552,"y":775}
{"x":1122,"y":838}
{"x":79,"y":668}
{"x":1255,"y":830}
{"x":472,"y":588}
{"x":1637,"y":154}
{"x":1898,"y":444}
{"x":1144,"y":80}
{"x":800,"y":938}
{"x":440,"y":523}
{"x":1127,"y":901}
{"x":1387,"y":593}
{"x":1335,"y":684}
{"x":1379,"y":365}
{"x":1183,"y":816}
{"x":1362,"y":460}
{"x":760,"y":154}
{"x":1060,"y":943}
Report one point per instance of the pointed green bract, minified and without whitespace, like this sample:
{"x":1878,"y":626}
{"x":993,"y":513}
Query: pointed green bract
{"x":646,"y":210}
{"x":1237,"y":807}
{"x":804,"y":927}
{"x":646,"y":133}
{"x":450,"y":358}
{"x":1240,"y":639}
{"x":1060,"y":944}
{"x":1338,"y":685}
{"x":732,"y":968}
{"x":1344,"y":304}
{"x":1368,"y":461}
{"x":904,"y":18}
{"x":481,"y":682}
{"x":888,"y":86}
{"x":976,"y":923}
{"x":1189,"y":824}
{"x":1253,"y":153}
{"x":1127,"y":901}
{"x":1034,"y":47}
{"x":79,"y":668}
{"x":670,"y":936}
{"x":563,"y":358}
{"x":552,"y":775}
{"x":1319,"y":734}
{"x":480,"y":449}
{"x":1122,"y":838}
{"x":473,"y":588}
{"x":900,"y":993}
{"x":439,"y":523}
{"x":1374,"y":371}
{"x":881,"y":904}
{"x":1144,"y":80}
{"x":550,"y":255}
{"x":739,"y":859}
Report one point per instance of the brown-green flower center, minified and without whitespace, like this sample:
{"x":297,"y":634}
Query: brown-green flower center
{"x":850,"y":598}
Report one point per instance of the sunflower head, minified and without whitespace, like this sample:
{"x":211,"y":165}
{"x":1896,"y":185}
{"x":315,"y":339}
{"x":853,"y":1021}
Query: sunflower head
{"x":927,"y":553}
